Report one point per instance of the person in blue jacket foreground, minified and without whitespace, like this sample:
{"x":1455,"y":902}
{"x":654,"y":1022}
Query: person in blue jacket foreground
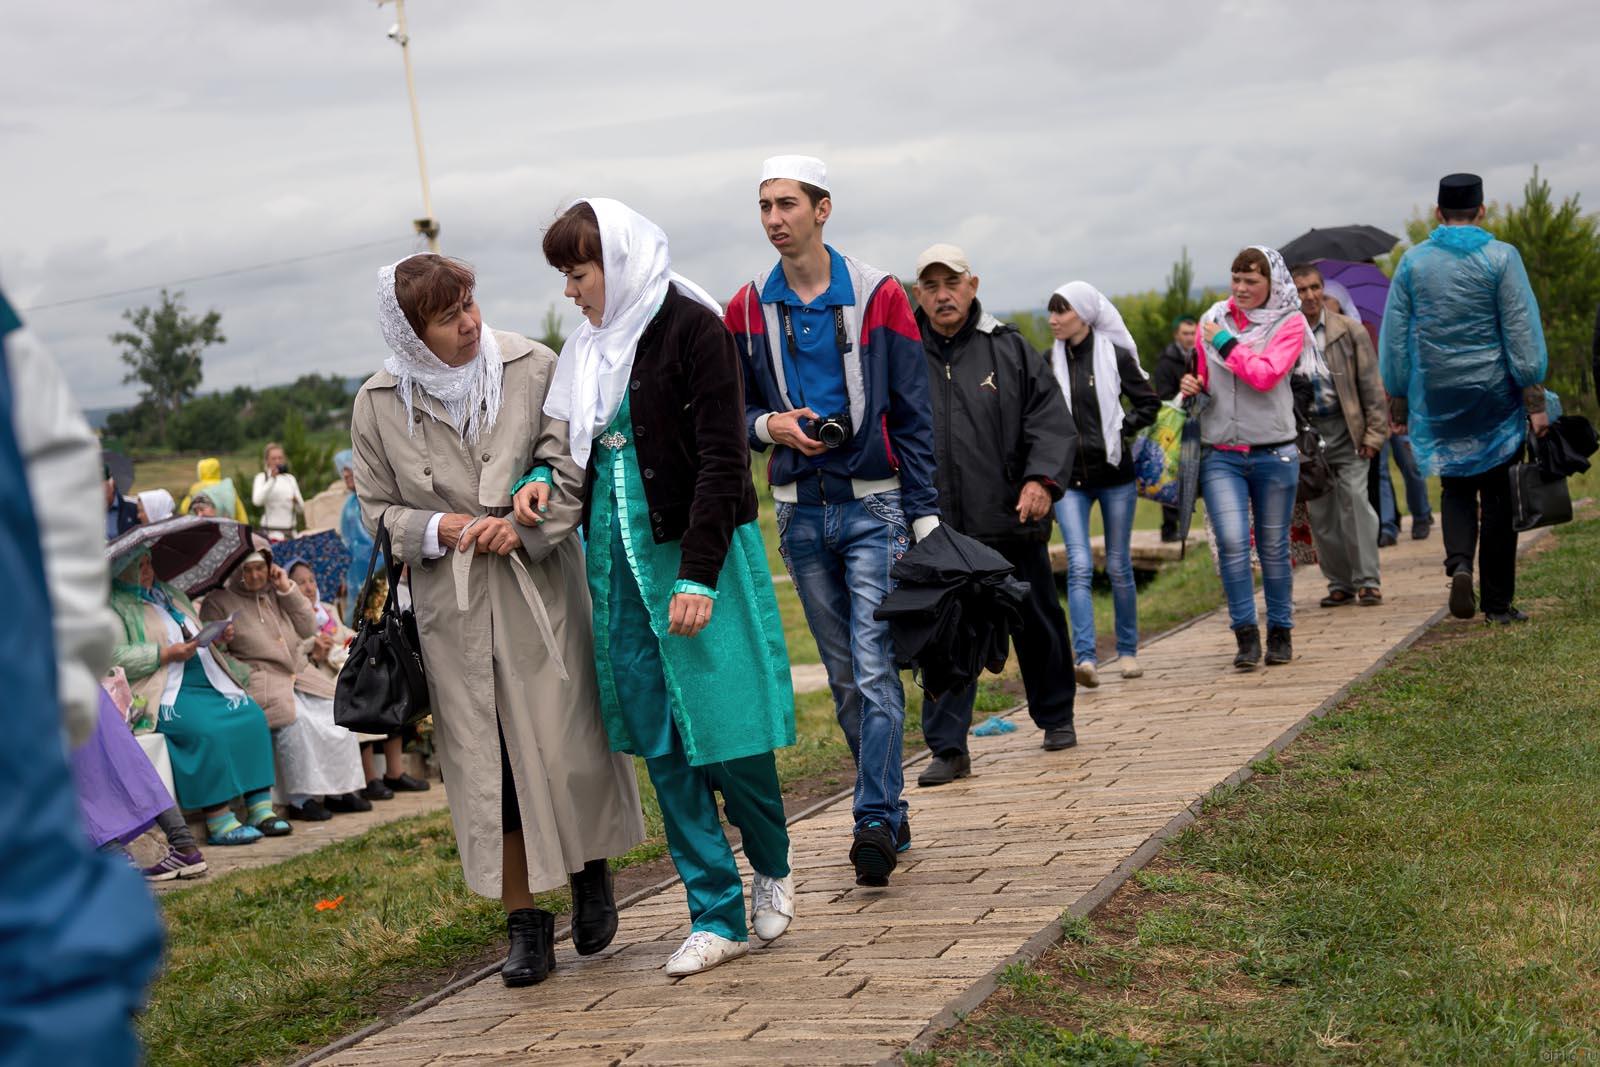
{"x":1463,"y":358}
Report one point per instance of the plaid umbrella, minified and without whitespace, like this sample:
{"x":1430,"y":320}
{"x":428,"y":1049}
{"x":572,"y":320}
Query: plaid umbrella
{"x":324,"y":551}
{"x":190,"y":553}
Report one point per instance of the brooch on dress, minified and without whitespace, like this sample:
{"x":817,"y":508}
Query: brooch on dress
{"x":613,"y":440}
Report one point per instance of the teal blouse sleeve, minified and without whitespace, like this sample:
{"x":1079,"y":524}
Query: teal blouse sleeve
{"x":684,"y":585}
{"x":538,"y":474}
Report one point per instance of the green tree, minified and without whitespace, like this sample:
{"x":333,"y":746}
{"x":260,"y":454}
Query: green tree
{"x":163,"y":349}
{"x":205,"y":424}
{"x":550,"y":330}
{"x":311,"y":463}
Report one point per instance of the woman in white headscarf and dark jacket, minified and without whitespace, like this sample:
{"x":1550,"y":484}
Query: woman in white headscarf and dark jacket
{"x":537,"y":797}
{"x":694,"y":674}
{"x":1097,"y":365}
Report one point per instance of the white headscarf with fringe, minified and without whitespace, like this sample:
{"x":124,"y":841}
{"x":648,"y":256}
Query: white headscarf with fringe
{"x":1282,"y":306}
{"x":596,"y":362}
{"x":468,"y":397}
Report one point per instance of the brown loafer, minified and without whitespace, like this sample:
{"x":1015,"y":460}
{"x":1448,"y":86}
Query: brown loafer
{"x":1370,"y":598}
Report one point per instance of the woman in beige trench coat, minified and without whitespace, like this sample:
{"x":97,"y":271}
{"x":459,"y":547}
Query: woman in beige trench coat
{"x":440,"y":434}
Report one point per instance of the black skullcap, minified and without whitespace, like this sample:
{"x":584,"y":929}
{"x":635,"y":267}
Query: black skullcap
{"x":1460,"y":192}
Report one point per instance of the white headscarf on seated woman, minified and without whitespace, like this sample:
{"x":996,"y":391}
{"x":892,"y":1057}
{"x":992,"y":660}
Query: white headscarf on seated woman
{"x":1110,"y":334}
{"x":157,"y":504}
{"x":596,"y":361}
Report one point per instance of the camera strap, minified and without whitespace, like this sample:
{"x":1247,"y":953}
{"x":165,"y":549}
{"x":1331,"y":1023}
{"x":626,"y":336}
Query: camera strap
{"x":841,"y":341}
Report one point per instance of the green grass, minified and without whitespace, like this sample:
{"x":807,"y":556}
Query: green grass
{"x":1413,"y":881}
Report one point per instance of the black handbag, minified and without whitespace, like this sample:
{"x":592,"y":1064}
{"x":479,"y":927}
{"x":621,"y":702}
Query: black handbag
{"x":1536,"y":498}
{"x":383,"y":687}
{"x":1316,"y":475}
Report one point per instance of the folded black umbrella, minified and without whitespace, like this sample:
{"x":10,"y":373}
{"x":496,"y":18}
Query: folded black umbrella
{"x":1566,"y":449}
{"x":953,"y":612}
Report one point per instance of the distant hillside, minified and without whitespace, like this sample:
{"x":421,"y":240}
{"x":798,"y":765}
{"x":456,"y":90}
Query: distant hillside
{"x":98,"y":417}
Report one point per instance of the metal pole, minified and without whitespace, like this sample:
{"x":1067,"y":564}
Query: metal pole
{"x":428,"y":226}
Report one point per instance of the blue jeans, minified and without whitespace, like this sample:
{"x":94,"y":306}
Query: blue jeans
{"x":1116,"y":514}
{"x":839,"y":557}
{"x":1416,"y":487}
{"x":1258,"y":485}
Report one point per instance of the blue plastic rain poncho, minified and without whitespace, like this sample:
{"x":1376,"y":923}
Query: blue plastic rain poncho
{"x":353,"y":532}
{"x":1461,"y":339}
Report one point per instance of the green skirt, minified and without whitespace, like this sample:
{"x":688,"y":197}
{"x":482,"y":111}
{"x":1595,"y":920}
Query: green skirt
{"x":220,"y":748}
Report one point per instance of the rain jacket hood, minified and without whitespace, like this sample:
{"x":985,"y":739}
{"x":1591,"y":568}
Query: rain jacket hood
{"x":1461,"y":340}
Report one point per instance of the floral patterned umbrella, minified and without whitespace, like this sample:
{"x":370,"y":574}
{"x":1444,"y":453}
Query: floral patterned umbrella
{"x":191,"y":552}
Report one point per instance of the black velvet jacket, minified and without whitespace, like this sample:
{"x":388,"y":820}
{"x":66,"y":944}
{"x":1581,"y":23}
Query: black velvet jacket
{"x":687,"y":401}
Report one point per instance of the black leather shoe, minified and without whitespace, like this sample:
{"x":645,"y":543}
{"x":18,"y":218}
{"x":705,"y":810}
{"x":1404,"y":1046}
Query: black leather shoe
{"x":1463,"y":602}
{"x":902,"y":837}
{"x":533,"y":947}
{"x":1249,"y":638}
{"x":376,"y":790}
{"x":406,"y":784}
{"x":1506,"y":617}
{"x":311,"y":811}
{"x":874,"y":854}
{"x":1387,"y":540}
{"x":1059,"y":737}
{"x":1280,"y":649}
{"x":942,"y":770}
{"x":347,"y":803}
{"x":1420,"y":530}
{"x":594,"y":908}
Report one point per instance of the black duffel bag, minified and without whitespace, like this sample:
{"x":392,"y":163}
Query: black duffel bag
{"x":383,"y":688}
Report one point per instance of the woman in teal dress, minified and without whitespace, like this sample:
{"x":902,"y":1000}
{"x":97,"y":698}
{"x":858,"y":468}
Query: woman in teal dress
{"x":693,"y":671}
{"x":216,"y":735}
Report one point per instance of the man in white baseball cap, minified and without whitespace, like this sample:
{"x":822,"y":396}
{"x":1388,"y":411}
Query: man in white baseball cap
{"x":835,"y":385}
{"x":1005,"y":440}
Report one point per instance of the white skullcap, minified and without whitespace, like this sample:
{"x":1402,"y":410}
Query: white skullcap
{"x":808,"y":169}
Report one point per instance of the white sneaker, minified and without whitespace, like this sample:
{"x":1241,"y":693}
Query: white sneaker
{"x":702,"y":951}
{"x":1130,"y":668}
{"x":1088,"y":677}
{"x":772,"y":903}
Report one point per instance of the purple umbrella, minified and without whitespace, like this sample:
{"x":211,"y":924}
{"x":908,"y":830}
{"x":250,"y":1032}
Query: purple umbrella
{"x":1367,"y":285}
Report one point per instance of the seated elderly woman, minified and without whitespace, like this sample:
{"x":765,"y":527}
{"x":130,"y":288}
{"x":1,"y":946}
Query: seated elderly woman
{"x":270,"y":617}
{"x":216,"y":735}
{"x":324,"y":653}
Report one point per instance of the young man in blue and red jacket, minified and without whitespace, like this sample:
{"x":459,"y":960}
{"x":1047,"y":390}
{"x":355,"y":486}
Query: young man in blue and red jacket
{"x":836,"y":386}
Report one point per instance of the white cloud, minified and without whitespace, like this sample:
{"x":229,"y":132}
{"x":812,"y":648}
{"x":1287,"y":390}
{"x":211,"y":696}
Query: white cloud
{"x":148,"y":143}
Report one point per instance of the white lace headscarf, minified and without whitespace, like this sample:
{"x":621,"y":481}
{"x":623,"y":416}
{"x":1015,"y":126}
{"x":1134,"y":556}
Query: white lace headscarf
{"x":596,"y":362}
{"x":1282,"y":307}
{"x":469,"y":396}
{"x":1110,"y":334}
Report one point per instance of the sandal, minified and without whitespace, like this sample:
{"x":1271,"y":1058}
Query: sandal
{"x":239,"y":835}
{"x":1338,"y":598}
{"x":273,"y":826}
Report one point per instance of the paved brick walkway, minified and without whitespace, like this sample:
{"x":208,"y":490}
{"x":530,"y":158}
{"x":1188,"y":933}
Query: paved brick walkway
{"x":307,"y":837}
{"x":997,"y":859}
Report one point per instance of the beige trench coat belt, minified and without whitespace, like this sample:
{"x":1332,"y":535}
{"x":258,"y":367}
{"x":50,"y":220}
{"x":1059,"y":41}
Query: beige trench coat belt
{"x":461,"y":569}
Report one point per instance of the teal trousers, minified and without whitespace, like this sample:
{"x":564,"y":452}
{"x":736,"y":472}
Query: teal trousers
{"x":688,"y":794}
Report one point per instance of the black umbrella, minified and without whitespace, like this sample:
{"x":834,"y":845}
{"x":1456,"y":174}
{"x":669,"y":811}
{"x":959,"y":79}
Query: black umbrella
{"x":120,"y":468}
{"x":192,"y":553}
{"x":953,"y":610}
{"x":1189,"y":453}
{"x":1352,"y":243}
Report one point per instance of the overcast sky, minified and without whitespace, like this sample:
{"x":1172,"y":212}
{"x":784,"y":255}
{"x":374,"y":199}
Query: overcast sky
{"x":144,"y":143}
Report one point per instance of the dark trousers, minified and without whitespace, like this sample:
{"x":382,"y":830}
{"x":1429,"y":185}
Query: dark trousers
{"x":1043,"y":652}
{"x":1477,"y":520}
{"x":1169,"y":521}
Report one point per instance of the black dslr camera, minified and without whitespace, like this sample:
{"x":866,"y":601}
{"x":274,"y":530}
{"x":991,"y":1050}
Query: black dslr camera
{"x":832,"y":430}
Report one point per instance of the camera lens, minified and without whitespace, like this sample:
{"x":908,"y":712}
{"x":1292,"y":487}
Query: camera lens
{"x":831,"y":434}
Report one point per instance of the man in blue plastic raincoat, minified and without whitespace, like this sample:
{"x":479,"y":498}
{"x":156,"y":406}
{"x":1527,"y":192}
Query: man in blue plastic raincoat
{"x":1462,"y":358}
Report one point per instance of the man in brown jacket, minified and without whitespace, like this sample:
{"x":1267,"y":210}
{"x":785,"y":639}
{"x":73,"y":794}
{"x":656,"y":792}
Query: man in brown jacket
{"x":1349,"y":410}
